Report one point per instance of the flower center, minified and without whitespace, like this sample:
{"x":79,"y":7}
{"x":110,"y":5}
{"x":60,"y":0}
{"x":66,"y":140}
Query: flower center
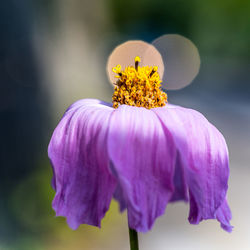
{"x":138,"y":86}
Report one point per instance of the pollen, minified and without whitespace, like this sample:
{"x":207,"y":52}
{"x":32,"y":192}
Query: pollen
{"x":138,"y":86}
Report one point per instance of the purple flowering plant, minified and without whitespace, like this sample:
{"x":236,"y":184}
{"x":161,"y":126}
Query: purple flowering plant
{"x":141,"y":151}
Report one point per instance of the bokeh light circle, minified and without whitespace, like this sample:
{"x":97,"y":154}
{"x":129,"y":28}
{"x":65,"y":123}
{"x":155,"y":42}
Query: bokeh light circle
{"x":125,"y":54}
{"x":181,"y":60}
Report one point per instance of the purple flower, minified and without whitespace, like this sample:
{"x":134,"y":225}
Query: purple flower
{"x":144,"y":157}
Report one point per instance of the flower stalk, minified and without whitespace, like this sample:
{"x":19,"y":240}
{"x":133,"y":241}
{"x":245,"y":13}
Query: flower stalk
{"x":133,"y":238}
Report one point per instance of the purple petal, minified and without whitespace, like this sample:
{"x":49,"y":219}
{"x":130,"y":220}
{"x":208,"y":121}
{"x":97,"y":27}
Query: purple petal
{"x":203,"y":159}
{"x":223,"y":215}
{"x":180,"y":183}
{"x":86,"y":102}
{"x":78,"y":152}
{"x":118,"y":195}
{"x":143,"y":159}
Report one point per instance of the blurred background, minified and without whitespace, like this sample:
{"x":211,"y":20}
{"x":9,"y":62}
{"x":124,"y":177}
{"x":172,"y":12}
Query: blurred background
{"x":53,"y":53}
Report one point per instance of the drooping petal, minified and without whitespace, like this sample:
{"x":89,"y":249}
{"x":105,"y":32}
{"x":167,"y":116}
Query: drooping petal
{"x":180,"y":183}
{"x":85,"y":102}
{"x":203,"y":159}
{"x":78,"y":152}
{"x":143,"y":157}
{"x":223,"y":215}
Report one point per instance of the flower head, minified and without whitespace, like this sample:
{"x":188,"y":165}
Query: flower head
{"x":143,"y":152}
{"x":138,"y":86}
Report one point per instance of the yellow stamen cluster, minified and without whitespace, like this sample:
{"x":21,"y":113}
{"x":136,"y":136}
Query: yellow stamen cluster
{"x":138,"y":86}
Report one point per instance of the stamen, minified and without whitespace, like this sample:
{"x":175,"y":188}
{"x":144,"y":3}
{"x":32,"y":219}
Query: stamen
{"x":137,"y":60}
{"x":153,"y":71}
{"x":138,"y":86}
{"x":117,"y":69}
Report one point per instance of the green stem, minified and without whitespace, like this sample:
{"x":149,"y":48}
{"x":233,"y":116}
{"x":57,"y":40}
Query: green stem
{"x":133,"y":238}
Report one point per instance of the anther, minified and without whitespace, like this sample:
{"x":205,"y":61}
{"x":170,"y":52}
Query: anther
{"x":153,"y":71}
{"x":137,"y":60}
